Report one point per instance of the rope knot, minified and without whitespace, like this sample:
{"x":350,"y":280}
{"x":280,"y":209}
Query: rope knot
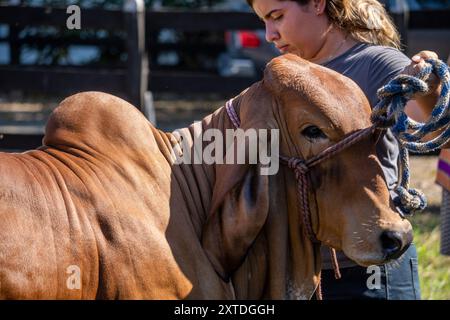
{"x":299,"y":166}
{"x":410,"y":200}
{"x":404,"y":85}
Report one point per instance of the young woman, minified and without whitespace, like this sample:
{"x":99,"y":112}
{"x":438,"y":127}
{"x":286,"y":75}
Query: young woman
{"x":358,"y":39}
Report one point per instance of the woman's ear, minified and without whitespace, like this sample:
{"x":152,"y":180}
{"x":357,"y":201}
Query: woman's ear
{"x":319,"y":6}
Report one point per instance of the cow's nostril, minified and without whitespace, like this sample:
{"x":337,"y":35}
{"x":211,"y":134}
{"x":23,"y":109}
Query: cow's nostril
{"x":392,"y":243}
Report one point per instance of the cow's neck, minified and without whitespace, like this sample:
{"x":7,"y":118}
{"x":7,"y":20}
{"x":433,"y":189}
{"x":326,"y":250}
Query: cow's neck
{"x":196,"y":178}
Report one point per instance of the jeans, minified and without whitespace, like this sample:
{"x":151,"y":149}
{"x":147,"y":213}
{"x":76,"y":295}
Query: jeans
{"x":398,"y":280}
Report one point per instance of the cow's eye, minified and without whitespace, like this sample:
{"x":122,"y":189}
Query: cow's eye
{"x":313,"y":132}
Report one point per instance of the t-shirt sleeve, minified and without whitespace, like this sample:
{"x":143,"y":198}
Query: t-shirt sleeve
{"x":385,"y":65}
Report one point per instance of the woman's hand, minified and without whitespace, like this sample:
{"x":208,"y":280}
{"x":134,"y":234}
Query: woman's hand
{"x":422,"y":105}
{"x":417,"y":64}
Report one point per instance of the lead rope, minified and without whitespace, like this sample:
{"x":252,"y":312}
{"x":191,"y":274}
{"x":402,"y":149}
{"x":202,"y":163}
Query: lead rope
{"x":301,"y":171}
{"x":390,"y":113}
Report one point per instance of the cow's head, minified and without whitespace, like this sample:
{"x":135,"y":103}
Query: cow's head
{"x":351,"y":210}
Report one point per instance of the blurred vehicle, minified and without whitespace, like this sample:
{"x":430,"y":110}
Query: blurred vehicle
{"x":246,"y":55}
{"x":247,"y":51}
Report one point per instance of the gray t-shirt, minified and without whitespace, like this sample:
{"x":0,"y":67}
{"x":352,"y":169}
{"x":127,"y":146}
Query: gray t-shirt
{"x":371,"y":67}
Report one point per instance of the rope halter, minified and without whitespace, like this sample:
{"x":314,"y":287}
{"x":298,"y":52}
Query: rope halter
{"x":301,"y":169}
{"x":390,"y":113}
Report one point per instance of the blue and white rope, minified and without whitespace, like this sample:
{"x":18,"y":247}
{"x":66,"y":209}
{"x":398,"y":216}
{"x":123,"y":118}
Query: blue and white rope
{"x":390,"y":113}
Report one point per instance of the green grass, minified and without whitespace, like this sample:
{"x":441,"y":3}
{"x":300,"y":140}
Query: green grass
{"x":434,"y":268}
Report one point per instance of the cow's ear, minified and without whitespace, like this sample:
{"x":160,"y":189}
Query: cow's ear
{"x":237,"y":218}
{"x":240,"y":202}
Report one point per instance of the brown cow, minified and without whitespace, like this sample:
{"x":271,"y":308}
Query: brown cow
{"x":103,"y":200}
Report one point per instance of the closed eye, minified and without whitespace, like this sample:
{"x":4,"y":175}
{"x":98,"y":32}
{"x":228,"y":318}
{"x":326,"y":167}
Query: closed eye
{"x":313,"y":133}
{"x":275,"y":18}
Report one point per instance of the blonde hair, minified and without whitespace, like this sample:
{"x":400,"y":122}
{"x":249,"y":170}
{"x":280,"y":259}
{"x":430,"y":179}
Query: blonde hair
{"x":364,"y":20}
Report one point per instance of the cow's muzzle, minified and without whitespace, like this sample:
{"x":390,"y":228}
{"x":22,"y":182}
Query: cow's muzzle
{"x":394,"y":244}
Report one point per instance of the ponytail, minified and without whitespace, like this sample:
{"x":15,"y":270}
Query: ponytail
{"x":364,"y":20}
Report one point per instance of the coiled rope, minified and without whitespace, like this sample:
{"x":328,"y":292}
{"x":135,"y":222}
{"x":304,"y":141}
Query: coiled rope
{"x":390,"y":113}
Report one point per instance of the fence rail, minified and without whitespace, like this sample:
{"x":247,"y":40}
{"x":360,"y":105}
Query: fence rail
{"x":129,"y":83}
{"x":57,"y":17}
{"x":132,"y":80}
{"x":183,"y":20}
{"x":61,"y":80}
{"x":190,"y":21}
{"x":429,"y":19}
{"x":202,"y":21}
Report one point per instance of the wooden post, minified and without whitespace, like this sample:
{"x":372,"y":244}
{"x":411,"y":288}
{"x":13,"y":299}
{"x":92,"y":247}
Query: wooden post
{"x":137,"y":70}
{"x":401,"y":20}
{"x":14,"y":45}
{"x":400,"y":15}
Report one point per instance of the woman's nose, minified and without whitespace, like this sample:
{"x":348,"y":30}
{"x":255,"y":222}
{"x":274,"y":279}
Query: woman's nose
{"x":271,"y":34}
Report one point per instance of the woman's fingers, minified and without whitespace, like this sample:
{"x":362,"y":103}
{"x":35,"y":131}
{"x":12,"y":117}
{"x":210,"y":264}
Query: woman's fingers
{"x":424,"y":55}
{"x":418,"y":63}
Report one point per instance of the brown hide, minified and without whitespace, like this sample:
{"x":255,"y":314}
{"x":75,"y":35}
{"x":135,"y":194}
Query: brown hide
{"x":104,"y":195}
